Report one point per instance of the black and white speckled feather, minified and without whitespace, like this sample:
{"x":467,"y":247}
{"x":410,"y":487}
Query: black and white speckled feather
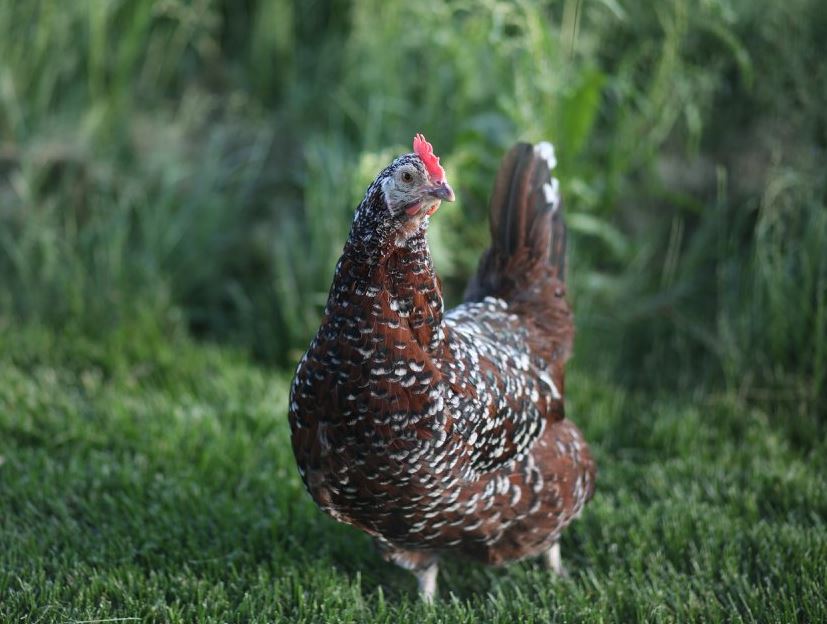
{"x":437,"y":431}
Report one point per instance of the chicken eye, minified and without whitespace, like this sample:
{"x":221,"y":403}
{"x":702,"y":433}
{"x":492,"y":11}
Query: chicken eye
{"x":407,"y":177}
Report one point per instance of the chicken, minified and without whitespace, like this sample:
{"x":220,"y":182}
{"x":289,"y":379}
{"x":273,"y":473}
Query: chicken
{"x":435,"y":432}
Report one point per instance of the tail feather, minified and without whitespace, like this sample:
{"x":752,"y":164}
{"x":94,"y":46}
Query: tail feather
{"x":528,"y":233}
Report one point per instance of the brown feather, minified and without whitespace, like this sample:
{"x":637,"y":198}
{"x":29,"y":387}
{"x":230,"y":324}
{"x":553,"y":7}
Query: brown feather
{"x":442,"y":432}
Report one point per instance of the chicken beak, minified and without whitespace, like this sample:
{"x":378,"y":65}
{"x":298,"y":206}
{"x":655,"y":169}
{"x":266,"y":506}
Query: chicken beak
{"x":442,"y":191}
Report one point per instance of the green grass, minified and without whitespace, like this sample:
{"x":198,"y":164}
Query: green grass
{"x":187,"y":169}
{"x":193,"y":165}
{"x":165,"y":491}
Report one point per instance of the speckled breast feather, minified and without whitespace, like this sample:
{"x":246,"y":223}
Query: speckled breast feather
{"x":437,"y":431}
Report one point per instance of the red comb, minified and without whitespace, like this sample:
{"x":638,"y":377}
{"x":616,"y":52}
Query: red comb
{"x":425,"y":151}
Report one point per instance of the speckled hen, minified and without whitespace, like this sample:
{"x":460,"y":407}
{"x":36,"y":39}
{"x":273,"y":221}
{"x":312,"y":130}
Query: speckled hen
{"x":444,"y":432}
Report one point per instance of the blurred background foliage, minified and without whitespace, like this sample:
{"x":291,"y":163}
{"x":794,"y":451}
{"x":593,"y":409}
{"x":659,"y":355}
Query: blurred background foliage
{"x":172,"y":168}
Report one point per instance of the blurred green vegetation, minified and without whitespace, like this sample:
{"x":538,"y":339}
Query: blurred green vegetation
{"x":172,"y":167}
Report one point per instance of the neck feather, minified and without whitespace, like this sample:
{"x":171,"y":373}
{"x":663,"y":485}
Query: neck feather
{"x":390,"y":288}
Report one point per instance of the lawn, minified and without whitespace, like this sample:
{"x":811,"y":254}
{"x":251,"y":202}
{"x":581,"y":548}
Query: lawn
{"x":166,"y":491}
{"x":177,"y":178}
